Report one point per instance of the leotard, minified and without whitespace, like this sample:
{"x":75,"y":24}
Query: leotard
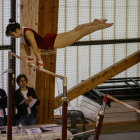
{"x":46,"y":42}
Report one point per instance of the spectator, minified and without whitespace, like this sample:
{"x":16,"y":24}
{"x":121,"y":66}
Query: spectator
{"x":3,"y":105}
{"x":25,"y":102}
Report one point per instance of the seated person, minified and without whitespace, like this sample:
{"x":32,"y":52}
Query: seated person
{"x":3,"y":105}
{"x":25,"y":102}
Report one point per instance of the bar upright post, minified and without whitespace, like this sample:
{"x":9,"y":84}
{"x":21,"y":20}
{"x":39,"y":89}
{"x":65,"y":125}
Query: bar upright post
{"x":100,"y":119}
{"x":64,"y":110}
{"x":9,"y":117}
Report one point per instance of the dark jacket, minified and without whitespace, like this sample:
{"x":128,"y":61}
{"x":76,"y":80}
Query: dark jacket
{"x":3,"y":103}
{"x":22,"y":108}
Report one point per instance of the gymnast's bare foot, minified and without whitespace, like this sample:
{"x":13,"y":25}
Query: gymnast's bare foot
{"x":104,"y":25}
{"x":96,"y":21}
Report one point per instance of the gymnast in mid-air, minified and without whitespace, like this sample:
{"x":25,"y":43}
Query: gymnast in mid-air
{"x":51,"y":41}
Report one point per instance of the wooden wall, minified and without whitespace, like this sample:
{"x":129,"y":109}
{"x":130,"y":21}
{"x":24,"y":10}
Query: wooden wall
{"x":29,"y":18}
{"x":45,"y":84}
{"x":42,"y":16}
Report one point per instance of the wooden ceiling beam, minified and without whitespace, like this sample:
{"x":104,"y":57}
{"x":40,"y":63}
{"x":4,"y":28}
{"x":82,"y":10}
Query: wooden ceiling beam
{"x":99,"y":78}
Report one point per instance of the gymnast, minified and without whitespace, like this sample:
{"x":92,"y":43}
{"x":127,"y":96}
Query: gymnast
{"x":51,"y":40}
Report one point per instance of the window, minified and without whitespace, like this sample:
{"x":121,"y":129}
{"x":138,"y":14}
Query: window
{"x":81,"y":62}
{"x":5,"y":14}
{"x":5,"y":42}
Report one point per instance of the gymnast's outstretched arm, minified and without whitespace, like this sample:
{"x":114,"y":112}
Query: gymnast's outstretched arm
{"x":27,"y":50}
{"x":30,"y":37}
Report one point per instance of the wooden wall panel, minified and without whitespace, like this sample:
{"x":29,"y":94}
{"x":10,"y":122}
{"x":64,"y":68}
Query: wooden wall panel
{"x":45,"y":17}
{"x":49,"y":102}
{"x":48,"y":18}
{"x":47,"y":93}
{"x":55,"y":16}
{"x":29,"y":18}
{"x":42,"y":16}
{"x":40,"y":91}
{"x":50,"y":92}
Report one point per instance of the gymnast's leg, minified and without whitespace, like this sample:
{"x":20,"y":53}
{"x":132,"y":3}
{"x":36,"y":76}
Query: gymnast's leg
{"x":79,"y":27}
{"x":71,"y":37}
{"x":95,"y":22}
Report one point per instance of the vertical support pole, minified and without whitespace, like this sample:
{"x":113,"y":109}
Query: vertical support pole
{"x":100,"y":119}
{"x":64,"y":110}
{"x":9,"y":117}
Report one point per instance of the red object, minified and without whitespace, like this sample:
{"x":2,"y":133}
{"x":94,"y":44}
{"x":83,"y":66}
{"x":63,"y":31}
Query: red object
{"x":46,"y":42}
{"x":30,"y":59}
{"x":105,"y":98}
{"x":40,"y":64}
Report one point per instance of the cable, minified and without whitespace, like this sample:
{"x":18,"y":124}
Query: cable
{"x":4,"y":72}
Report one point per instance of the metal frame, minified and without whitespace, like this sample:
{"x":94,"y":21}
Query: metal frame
{"x":64,"y":105}
{"x":130,"y":90}
{"x":9,"y":117}
{"x":100,"y":119}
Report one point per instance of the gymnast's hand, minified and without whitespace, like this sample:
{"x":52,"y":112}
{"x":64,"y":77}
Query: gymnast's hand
{"x":104,"y":25}
{"x":30,"y":61}
{"x":30,"y":64}
{"x":39,"y":68}
{"x":40,"y":65}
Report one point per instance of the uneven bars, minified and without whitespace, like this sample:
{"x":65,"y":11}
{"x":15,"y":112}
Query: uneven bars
{"x":33,"y":65}
{"x":120,"y":102}
{"x":64,"y":106}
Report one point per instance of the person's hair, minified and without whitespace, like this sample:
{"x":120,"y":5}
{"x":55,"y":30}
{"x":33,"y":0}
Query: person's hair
{"x":12,"y":26}
{"x":21,"y":76}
